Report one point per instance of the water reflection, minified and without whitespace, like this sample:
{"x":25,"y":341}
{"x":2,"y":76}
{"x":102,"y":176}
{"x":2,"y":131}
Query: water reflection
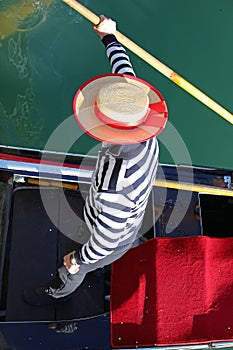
{"x":18,"y":56}
{"x":34,"y":69}
{"x":18,"y":111}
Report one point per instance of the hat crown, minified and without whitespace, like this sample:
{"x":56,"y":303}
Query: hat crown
{"x":123,"y":102}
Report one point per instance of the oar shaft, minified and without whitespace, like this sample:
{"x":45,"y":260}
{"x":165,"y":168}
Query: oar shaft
{"x":85,"y":12}
{"x":155,"y":63}
{"x":199,"y":95}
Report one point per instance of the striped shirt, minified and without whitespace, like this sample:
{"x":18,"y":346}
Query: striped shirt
{"x":121,"y":183}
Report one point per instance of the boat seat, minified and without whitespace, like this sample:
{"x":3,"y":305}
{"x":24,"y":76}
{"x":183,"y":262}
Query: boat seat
{"x":177,"y":291}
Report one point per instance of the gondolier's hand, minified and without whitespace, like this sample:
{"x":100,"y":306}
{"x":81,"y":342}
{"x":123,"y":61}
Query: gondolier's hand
{"x":71,"y":267}
{"x":105,"y":26}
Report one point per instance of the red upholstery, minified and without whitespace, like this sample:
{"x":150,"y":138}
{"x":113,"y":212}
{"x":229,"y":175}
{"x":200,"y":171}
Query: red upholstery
{"x":173,"y":291}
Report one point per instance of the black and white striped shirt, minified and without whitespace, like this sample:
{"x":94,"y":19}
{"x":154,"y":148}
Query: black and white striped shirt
{"x":122,"y":182}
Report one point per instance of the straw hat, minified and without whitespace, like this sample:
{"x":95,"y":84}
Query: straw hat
{"x":120,"y":109}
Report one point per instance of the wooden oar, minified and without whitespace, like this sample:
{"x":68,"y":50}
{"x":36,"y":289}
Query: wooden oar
{"x":154,"y":62}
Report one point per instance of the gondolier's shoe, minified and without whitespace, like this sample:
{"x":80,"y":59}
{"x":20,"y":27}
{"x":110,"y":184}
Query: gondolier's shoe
{"x":41,"y":296}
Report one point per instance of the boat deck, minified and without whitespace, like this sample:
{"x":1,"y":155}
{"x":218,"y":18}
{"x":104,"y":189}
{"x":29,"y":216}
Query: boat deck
{"x":33,"y":242}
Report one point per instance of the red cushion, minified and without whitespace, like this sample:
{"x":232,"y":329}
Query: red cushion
{"x":171,"y":291}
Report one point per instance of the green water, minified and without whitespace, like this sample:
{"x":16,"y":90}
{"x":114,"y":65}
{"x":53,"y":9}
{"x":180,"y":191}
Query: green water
{"x":48,"y":50}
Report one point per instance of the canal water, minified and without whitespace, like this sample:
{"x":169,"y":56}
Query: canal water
{"x":47,"y":50}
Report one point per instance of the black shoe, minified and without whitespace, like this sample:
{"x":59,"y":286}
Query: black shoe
{"x":38,"y":296}
{"x":42,"y":296}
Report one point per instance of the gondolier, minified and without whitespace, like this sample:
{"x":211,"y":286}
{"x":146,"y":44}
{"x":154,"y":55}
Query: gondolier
{"x":126,"y":114}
